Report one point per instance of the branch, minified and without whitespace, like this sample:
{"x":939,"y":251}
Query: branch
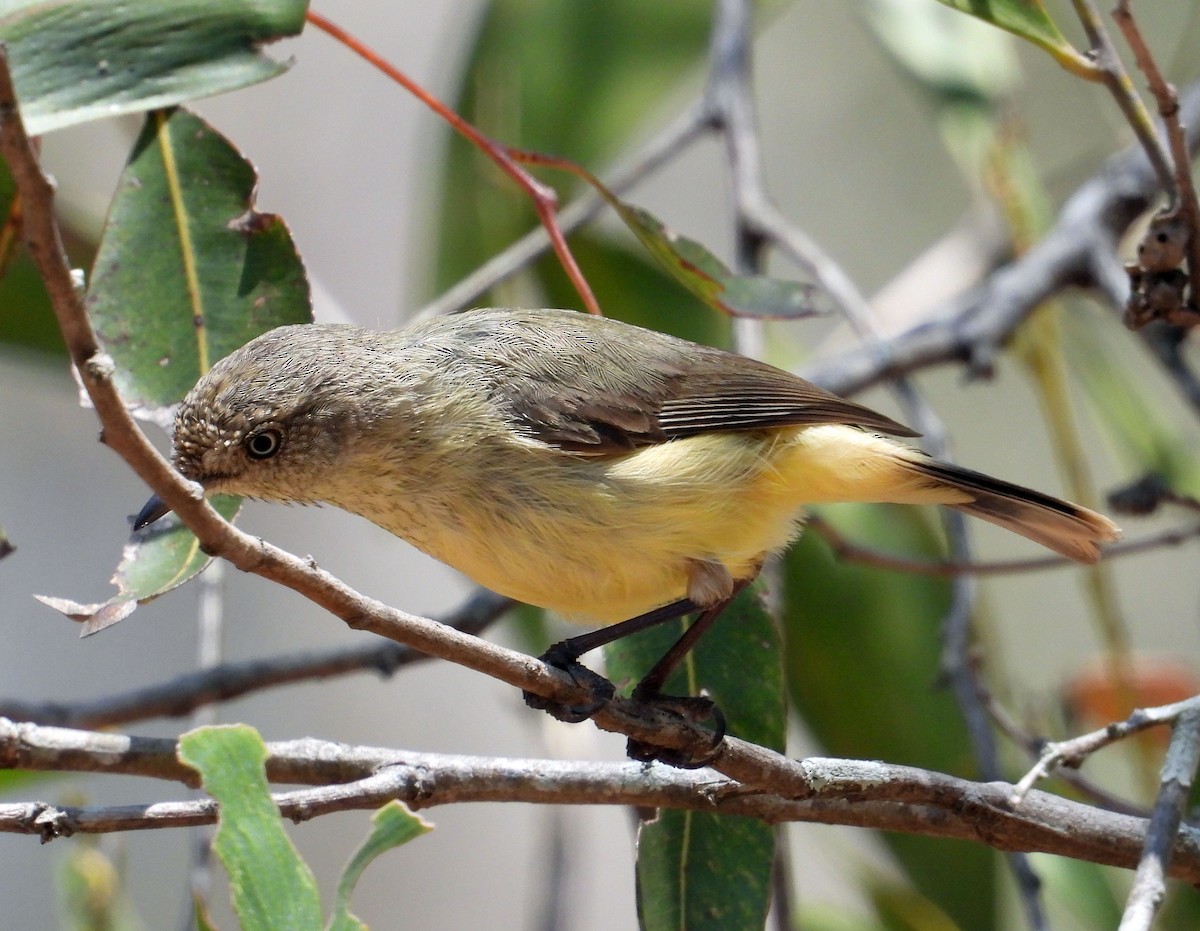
{"x":1178,"y":773}
{"x":1077,"y":251}
{"x":1075,"y":751}
{"x":827,"y":791}
{"x":850,"y":551}
{"x":184,"y":694}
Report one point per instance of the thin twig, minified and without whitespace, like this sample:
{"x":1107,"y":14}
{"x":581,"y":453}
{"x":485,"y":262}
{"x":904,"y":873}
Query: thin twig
{"x":850,"y":551}
{"x":545,"y":200}
{"x":1178,"y":773}
{"x":1117,"y":80}
{"x":183,"y":694}
{"x":1074,"y":751}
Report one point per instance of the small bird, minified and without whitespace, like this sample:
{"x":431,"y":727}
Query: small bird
{"x":604,"y":471}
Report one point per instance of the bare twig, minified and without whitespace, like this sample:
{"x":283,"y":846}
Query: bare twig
{"x":1074,"y":751}
{"x":183,"y":694}
{"x":1178,"y":773}
{"x":545,"y":201}
{"x":1117,"y":80}
{"x":865,"y":556}
{"x":1077,"y":250}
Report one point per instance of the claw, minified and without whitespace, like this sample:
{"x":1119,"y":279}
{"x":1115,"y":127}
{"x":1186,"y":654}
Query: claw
{"x":599,"y":689}
{"x":692,"y":709}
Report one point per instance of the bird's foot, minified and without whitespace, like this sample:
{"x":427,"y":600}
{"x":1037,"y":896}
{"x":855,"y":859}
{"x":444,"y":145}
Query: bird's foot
{"x":693,"y":710}
{"x":599,"y":689}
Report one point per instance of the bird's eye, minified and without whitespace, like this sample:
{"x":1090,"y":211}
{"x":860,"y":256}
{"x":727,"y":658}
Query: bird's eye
{"x":264,"y":444}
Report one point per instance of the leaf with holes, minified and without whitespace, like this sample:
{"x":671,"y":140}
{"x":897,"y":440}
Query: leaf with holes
{"x":157,"y":560}
{"x":79,"y":60}
{"x":187,"y":269}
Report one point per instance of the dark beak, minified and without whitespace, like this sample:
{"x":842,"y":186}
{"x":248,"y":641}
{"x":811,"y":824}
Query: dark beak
{"x":152,"y":511}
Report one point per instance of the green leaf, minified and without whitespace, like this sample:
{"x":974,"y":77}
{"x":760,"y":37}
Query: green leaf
{"x":861,"y":656}
{"x":707,"y":277}
{"x":1029,"y":20}
{"x":271,"y":886}
{"x":79,"y":60}
{"x":187,"y":270}
{"x":697,"y":870}
{"x":703,"y":872}
{"x":158,"y":560}
{"x":394,"y":825}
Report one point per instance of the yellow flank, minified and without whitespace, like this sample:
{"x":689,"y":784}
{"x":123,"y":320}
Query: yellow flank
{"x":601,"y":540}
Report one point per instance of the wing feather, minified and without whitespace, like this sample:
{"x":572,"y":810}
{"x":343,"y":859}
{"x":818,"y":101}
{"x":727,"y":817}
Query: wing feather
{"x":595,"y":386}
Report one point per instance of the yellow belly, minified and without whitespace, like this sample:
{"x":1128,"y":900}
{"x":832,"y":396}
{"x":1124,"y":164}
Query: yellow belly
{"x":602,"y":540}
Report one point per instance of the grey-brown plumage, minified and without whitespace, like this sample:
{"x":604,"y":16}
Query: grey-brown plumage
{"x":570,"y":461}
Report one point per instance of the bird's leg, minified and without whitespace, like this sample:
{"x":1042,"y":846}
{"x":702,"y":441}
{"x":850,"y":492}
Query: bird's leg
{"x":692,"y":708}
{"x":565,"y":655}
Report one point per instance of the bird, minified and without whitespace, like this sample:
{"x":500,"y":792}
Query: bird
{"x":615,"y":475}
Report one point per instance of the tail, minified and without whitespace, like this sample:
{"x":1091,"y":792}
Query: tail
{"x":1066,"y":528}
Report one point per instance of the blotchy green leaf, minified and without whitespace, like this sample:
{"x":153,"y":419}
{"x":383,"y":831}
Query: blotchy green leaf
{"x":272,"y":887}
{"x":697,"y":870}
{"x":79,"y":60}
{"x":160,"y":559}
{"x":187,"y":270}
{"x":394,"y":825}
{"x":862,"y":653}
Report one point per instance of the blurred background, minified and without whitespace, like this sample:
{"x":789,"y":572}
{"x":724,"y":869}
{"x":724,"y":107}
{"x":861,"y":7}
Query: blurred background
{"x":855,"y":153}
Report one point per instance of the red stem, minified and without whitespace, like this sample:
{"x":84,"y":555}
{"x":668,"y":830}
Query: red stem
{"x":545,"y":201}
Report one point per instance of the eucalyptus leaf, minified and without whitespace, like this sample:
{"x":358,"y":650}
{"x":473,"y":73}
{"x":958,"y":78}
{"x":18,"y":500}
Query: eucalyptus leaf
{"x":157,"y":560}
{"x":862,"y":662}
{"x":271,"y":886}
{"x":707,"y":277}
{"x":697,"y":870}
{"x":393,"y":825}
{"x":79,"y":60}
{"x":187,"y":269}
